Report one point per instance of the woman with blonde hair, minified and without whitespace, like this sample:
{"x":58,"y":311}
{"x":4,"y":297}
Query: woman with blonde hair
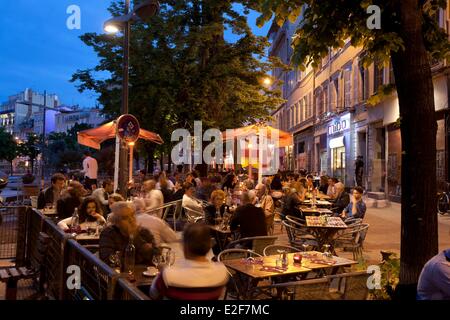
{"x":217,"y":208}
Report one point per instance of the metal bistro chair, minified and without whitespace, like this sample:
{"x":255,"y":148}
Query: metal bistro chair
{"x":257,"y":243}
{"x":313,"y":289}
{"x":299,"y":235}
{"x":193,"y":216}
{"x":353,"y":238}
{"x":274,"y":248}
{"x":354,"y":283}
{"x":235,"y":283}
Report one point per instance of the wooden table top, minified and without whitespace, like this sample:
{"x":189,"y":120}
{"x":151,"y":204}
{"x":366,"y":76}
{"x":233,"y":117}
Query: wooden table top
{"x":332,"y":222}
{"x":255,"y":270}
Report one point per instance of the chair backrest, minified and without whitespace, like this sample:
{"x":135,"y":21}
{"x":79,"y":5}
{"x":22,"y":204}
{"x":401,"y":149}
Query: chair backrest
{"x":364,"y":227}
{"x":314,"y":289}
{"x":353,"y":221}
{"x":229,"y":254}
{"x":295,"y":221}
{"x":355,"y":284}
{"x":290,"y":230}
{"x":273,"y":249}
{"x":193,"y":215}
{"x":257,"y":243}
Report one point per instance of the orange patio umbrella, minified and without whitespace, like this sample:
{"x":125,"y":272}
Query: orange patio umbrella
{"x":277,"y":137}
{"x":95,"y":136}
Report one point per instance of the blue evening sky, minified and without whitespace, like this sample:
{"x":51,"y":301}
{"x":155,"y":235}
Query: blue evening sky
{"x":38,"y":51}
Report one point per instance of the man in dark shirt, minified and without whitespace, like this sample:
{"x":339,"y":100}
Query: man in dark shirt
{"x":116,"y":236}
{"x":250,"y":219}
{"x":52,"y":193}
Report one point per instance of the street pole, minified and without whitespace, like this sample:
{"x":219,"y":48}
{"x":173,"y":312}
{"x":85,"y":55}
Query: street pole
{"x":123,"y":179}
{"x":43,"y":141}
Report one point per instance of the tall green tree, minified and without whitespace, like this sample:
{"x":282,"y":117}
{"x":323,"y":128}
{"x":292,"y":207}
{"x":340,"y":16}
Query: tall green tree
{"x":30,"y":148}
{"x":410,"y":36}
{"x":8,"y":148}
{"x":182,"y":69}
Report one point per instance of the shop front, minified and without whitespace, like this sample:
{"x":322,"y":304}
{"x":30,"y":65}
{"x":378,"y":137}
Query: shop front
{"x":339,"y":147}
{"x":303,"y":146}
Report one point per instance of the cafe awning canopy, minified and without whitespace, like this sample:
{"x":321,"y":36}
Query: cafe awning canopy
{"x":279,"y":137}
{"x":95,"y":136}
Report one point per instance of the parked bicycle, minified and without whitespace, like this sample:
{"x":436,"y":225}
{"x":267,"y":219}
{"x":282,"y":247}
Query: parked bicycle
{"x":443,"y":204}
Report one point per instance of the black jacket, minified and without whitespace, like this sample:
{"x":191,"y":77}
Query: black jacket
{"x":251,"y":221}
{"x":45,"y":196}
{"x":66,"y":206}
{"x":112,"y":240}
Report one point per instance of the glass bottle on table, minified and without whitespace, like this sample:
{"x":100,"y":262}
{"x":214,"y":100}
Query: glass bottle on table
{"x":130,"y":256}
{"x":75,"y":222}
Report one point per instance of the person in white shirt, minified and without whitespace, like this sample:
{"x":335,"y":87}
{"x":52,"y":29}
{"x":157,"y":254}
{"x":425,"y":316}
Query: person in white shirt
{"x":169,"y":183}
{"x":90,"y":170}
{"x":188,"y":198}
{"x":102,"y":194}
{"x":158,"y":227}
{"x":153,"y":198}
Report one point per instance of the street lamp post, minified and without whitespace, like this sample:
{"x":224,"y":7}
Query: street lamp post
{"x":141,"y":11}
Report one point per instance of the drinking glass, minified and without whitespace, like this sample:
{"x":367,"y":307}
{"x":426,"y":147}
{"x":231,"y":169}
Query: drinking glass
{"x":326,"y":252}
{"x":170,"y":258}
{"x":156,"y":260}
{"x":115,"y":261}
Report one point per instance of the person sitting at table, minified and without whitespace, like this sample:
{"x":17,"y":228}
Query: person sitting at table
{"x":90,"y":211}
{"x":342,"y":199}
{"x":153,"y":198}
{"x":331,"y":191}
{"x":166,"y":186}
{"x":434,"y":279}
{"x":217,"y":208}
{"x":310,"y":183}
{"x":323,"y":186}
{"x":291,"y":203}
{"x":356,"y":208}
{"x":116,"y":237}
{"x":189,"y":200}
{"x":266,"y":203}
{"x":230,"y":181}
{"x":102,"y":194}
{"x":51,"y":194}
{"x":206,"y":188}
{"x":196,"y":277}
{"x":249,"y":219}
{"x":191,"y":179}
{"x":276,"y":183}
{"x":158,"y":227}
{"x":70,"y":199}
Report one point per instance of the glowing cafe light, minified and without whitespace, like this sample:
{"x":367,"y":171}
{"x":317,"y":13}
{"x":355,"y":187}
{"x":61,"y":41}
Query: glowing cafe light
{"x":111,"y":28}
{"x":267,"y":81}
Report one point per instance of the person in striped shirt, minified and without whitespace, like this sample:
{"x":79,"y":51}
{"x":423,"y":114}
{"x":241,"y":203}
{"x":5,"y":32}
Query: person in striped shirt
{"x":195,"y":277}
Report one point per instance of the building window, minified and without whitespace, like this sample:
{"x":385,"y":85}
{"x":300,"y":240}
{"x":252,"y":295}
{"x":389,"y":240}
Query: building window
{"x":301,"y":147}
{"x":378,"y":75}
{"x":347,"y":88}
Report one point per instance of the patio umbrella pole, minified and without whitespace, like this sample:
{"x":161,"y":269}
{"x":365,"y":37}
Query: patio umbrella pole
{"x":260,"y":158}
{"x":116,"y":163}
{"x":130,"y":173}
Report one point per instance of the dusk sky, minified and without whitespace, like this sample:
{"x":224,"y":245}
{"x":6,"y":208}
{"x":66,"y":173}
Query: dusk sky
{"x":39,"y":52}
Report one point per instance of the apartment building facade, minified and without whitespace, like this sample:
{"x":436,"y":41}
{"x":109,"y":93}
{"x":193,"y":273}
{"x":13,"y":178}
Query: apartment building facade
{"x":327,"y":112}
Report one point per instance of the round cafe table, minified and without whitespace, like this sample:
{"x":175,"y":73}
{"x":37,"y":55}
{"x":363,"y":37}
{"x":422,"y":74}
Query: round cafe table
{"x":325,"y":233}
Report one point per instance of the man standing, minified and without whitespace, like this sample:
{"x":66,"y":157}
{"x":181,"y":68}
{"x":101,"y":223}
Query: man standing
{"x":90,"y":170}
{"x":359,"y":171}
{"x":52,"y":193}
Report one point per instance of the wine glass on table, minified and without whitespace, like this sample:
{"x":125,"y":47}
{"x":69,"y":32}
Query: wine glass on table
{"x":156,"y":261}
{"x":170,"y":258}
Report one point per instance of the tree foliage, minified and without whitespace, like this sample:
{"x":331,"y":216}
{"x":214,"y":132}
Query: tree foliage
{"x":328,"y":24}
{"x":8,"y":147}
{"x":183,"y":69}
